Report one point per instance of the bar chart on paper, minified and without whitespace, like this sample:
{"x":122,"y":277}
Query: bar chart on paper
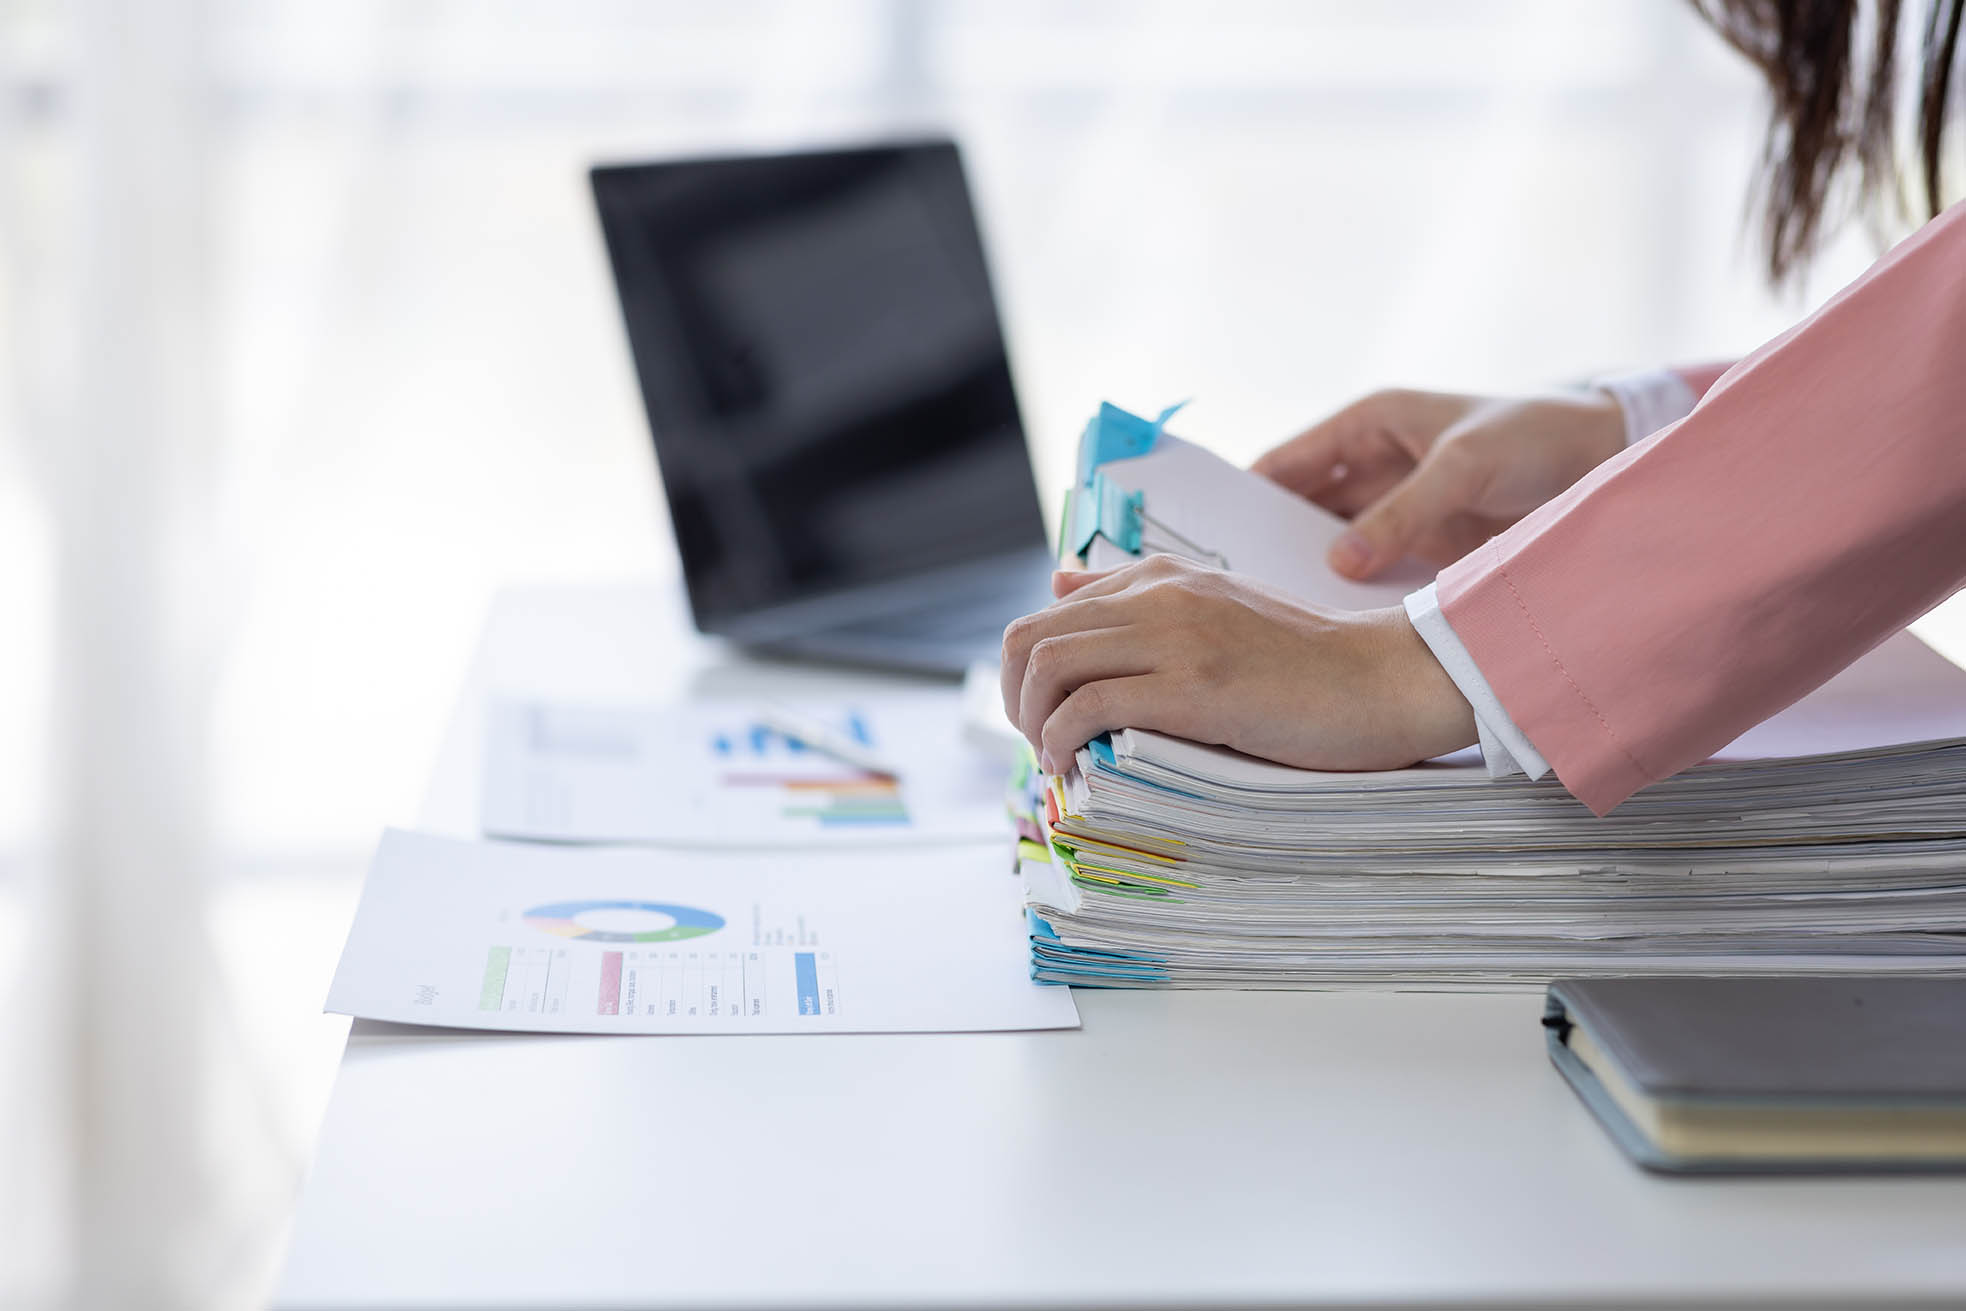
{"x":720,"y":773}
{"x":677,"y":986}
{"x":806,"y":785}
{"x":628,"y":940}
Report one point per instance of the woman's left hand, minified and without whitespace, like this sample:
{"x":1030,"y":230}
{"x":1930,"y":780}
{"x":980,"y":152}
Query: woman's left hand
{"x":1215,"y":657}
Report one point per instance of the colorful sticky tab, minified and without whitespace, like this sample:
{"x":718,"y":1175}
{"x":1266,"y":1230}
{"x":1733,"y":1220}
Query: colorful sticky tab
{"x":1114,"y":434}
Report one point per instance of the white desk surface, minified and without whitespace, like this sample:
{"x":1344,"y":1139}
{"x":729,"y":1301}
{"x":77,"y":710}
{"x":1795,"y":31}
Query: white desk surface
{"x":1230,"y":1149}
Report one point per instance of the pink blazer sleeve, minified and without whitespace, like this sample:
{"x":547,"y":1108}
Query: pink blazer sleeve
{"x":1700,"y":378}
{"x":1813,"y":503}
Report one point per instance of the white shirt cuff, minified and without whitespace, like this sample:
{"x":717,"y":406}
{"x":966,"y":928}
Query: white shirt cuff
{"x":1651,"y":400}
{"x":1505,"y":749}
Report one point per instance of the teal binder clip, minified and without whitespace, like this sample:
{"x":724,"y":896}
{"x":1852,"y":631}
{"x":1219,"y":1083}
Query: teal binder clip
{"x":1102,"y":508}
{"x":1114,"y":434}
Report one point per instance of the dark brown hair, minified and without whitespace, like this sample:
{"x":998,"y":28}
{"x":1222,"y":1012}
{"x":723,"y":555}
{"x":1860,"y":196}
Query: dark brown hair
{"x":1832,"y":66}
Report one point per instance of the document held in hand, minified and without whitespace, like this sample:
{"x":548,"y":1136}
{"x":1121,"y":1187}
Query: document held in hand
{"x":1143,"y":490}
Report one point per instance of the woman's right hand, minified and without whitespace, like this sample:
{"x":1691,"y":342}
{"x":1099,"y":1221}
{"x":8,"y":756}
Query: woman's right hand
{"x":1436,"y":475}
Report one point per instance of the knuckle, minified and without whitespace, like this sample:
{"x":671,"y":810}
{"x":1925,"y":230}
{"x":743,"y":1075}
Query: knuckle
{"x":1191,"y":588}
{"x":1044,"y":657}
{"x":1460,"y":454}
{"x":1462,"y":469}
{"x":1092,"y":700}
{"x":1387,"y":400}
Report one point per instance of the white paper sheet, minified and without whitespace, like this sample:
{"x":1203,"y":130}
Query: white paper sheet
{"x":711,"y":773}
{"x":1901,"y":691}
{"x":1266,"y":533}
{"x":486,"y":935}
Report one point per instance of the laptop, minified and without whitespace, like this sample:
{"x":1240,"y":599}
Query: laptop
{"x":826,"y":383}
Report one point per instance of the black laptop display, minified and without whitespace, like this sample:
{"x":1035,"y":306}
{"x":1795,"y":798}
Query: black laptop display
{"x":825,"y":376}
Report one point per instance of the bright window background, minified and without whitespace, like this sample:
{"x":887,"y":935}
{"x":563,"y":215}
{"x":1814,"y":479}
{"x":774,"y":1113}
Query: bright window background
{"x":416,"y":388}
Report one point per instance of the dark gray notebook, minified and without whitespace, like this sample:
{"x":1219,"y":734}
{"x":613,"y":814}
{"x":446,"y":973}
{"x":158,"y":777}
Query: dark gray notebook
{"x":1713,"y":1074}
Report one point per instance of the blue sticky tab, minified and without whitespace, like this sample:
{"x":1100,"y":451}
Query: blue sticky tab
{"x":1115,"y":434}
{"x":1105,"y":509}
{"x":1101,"y":748}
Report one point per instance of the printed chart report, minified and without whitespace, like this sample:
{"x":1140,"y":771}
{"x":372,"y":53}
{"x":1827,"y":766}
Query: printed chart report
{"x":618,"y":940}
{"x":717,"y":773}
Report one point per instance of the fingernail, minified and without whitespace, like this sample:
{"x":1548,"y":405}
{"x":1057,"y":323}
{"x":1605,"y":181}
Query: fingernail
{"x":1350,"y":553}
{"x":1044,"y":759}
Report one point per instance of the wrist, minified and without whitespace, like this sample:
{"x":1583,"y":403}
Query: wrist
{"x":1604,"y":422}
{"x":1646,"y":401}
{"x":1429,"y":713}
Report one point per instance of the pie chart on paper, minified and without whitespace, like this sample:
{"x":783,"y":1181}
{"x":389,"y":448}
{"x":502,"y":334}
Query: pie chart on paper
{"x":623,"y":921}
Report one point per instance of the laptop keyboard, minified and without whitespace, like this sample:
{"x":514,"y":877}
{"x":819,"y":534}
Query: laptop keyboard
{"x":960,"y":625}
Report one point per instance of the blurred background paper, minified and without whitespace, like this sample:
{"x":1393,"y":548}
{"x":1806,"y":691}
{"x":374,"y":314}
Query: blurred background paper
{"x":307,"y":346}
{"x":724,"y":774}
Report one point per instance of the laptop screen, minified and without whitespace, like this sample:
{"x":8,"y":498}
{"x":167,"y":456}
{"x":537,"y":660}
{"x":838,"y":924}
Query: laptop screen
{"x":825,"y":377}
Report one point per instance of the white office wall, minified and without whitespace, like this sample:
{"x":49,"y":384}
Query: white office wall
{"x":1266,"y":207}
{"x":410,"y":388}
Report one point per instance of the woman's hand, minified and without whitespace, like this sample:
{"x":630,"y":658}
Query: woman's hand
{"x":1215,"y":657}
{"x":1436,"y":475}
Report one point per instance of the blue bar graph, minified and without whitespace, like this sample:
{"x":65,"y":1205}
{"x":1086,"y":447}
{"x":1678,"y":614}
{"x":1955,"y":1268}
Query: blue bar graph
{"x":806,"y":967}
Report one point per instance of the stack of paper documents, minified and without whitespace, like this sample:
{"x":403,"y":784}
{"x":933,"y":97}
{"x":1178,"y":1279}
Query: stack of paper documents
{"x":1831,"y":838}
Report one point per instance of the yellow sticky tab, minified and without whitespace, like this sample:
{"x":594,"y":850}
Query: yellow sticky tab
{"x":1083,"y":866}
{"x":1098,"y":845}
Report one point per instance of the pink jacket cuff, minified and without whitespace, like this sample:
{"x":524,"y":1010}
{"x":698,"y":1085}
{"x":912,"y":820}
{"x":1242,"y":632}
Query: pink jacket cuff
{"x":1490,"y":612}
